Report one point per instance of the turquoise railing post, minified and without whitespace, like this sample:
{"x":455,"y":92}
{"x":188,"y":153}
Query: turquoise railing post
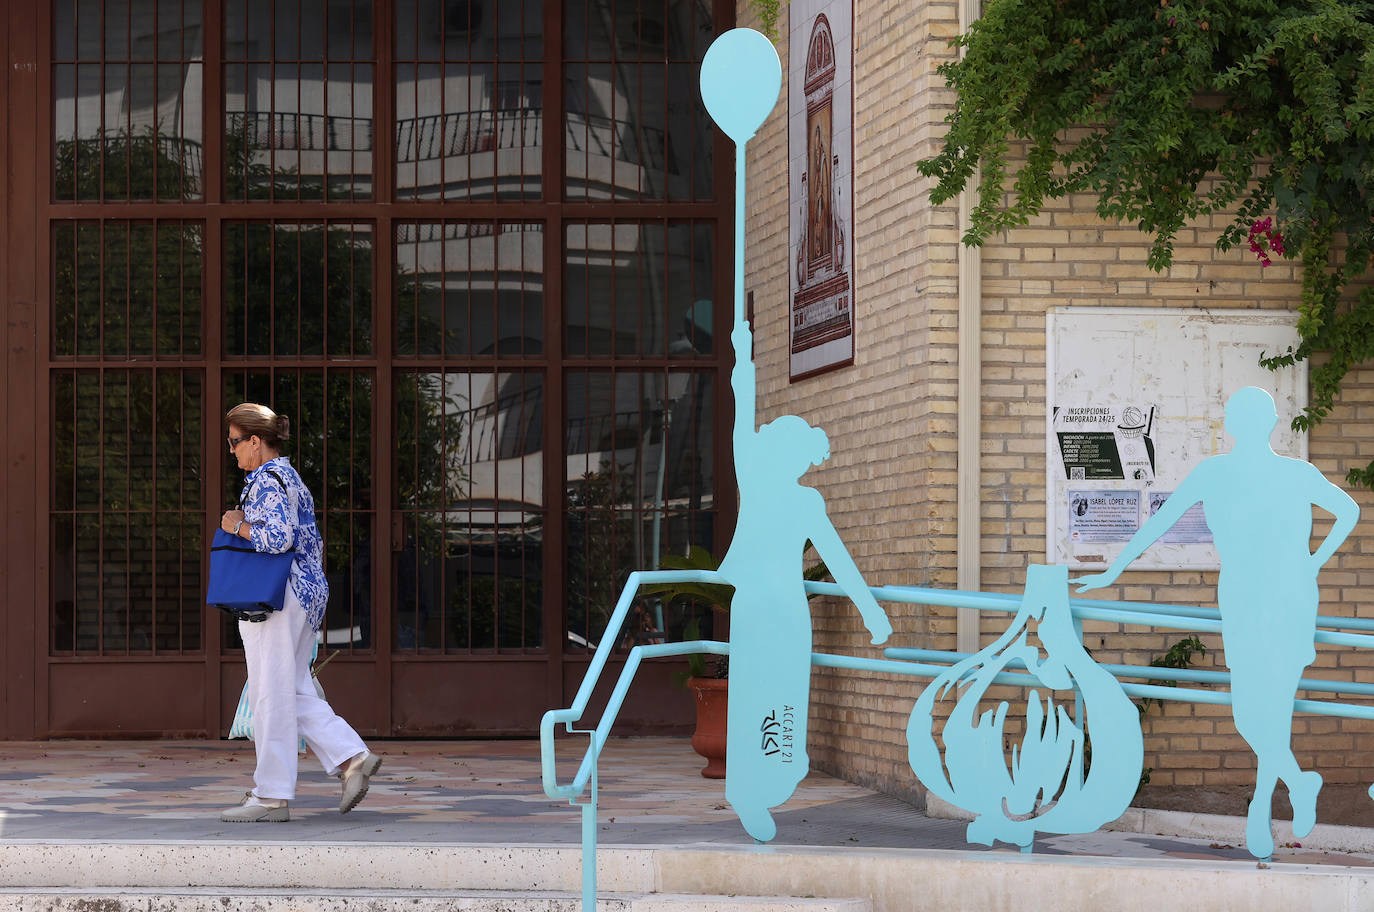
{"x":589,"y":845}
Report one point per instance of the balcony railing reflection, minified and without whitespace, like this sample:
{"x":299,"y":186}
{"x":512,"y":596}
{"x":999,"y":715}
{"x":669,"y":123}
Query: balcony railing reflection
{"x":417,"y":139}
{"x":506,"y":427}
{"x":601,"y":433}
{"x":438,"y":136}
{"x":627,"y":141}
{"x":289,"y":131}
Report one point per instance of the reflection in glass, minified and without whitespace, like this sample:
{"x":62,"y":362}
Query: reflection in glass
{"x":297,"y":289}
{"x":469,"y":288}
{"x":636,"y":129}
{"x":637,"y":30}
{"x":127,"y":289}
{"x":331,"y":446}
{"x":639,"y":289}
{"x":127,"y":512}
{"x":640,"y":481}
{"x":298,"y":100}
{"x":469,"y":99}
{"x":126,"y":107}
{"x":470,"y":495}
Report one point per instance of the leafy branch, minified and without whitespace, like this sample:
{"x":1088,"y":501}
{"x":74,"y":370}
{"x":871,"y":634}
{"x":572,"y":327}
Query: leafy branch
{"x":1179,"y":655}
{"x":768,"y":12}
{"x":1172,"y":111}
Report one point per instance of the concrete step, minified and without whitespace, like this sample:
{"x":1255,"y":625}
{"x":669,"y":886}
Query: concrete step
{"x":117,"y":899}
{"x":154,"y":864}
{"x":148,"y":876}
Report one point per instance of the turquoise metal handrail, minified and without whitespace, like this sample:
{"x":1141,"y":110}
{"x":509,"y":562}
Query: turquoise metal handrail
{"x":1094,"y":610}
{"x":898,"y":661}
{"x":573,"y":714}
{"x":586,"y":772}
{"x":1009,"y":600}
{"x":1193,"y":675}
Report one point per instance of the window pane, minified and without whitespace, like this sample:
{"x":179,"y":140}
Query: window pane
{"x":297,"y":289}
{"x":469,"y":288}
{"x":638,"y":289}
{"x":116,"y":16}
{"x":115,"y":291}
{"x":635,"y":124}
{"x":298,"y":110}
{"x":640,"y":481}
{"x":127,"y":289}
{"x":126,"y":511}
{"x":470,"y":571}
{"x":637,"y":29}
{"x":469,"y":99}
{"x":177,"y":262}
{"x":127,"y":111}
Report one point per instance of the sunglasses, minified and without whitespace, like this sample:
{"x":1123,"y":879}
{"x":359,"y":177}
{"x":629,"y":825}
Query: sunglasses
{"x":235,"y":441}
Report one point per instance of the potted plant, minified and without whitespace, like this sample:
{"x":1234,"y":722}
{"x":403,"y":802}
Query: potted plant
{"x":708,"y":676}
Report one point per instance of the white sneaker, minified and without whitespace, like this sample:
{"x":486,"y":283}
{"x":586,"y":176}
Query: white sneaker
{"x":355,"y":778}
{"x":257,"y":810}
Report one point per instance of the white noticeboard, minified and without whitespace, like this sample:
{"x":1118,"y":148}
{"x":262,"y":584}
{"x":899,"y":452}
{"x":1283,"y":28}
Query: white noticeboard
{"x":1136,"y":399}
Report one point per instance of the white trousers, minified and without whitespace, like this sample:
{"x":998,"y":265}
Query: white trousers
{"x":285,"y":705}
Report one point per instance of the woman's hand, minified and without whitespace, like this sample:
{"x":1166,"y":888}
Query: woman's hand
{"x":230,"y":519}
{"x":1094,"y":580}
{"x":879,"y":626}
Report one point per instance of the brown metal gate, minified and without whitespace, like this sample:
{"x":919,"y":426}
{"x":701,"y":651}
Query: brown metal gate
{"x":496,"y":350}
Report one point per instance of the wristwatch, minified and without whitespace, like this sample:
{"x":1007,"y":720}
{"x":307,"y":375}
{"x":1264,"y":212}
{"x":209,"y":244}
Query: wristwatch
{"x":236,"y":527}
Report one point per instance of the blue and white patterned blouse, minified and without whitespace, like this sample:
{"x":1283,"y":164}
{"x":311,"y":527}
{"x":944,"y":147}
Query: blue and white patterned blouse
{"x":281,"y":519}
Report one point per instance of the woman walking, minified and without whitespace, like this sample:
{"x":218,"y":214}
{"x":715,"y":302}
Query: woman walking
{"x":279,"y":514}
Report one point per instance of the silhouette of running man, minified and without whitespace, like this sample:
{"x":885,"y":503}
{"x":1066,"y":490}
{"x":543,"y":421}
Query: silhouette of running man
{"x":1259,"y":508}
{"x":770,"y":619}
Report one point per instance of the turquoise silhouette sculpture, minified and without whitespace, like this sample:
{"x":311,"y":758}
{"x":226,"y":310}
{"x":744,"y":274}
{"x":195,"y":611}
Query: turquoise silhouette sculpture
{"x":770,"y":619}
{"x":1259,"y":507}
{"x":1048,"y":786}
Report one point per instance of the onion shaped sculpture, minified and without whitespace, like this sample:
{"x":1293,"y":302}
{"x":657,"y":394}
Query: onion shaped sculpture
{"x":1047,"y":783}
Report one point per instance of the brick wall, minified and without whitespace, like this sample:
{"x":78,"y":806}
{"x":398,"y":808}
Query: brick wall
{"x":891,"y":482}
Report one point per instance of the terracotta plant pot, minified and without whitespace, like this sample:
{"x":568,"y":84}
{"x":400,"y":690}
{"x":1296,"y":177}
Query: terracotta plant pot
{"x":712,"y":696}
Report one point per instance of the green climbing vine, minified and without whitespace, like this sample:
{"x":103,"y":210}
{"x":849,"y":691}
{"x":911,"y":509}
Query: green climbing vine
{"x":1168,"y":111}
{"x":1179,"y":655}
{"x":768,"y":12}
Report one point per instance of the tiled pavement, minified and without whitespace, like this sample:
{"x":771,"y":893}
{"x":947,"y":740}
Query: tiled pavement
{"x":485,"y":792}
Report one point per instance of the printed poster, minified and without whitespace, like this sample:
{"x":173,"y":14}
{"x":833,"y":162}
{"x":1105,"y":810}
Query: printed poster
{"x":1135,"y":400}
{"x":820,"y":143}
{"x":1099,"y":442}
{"x":1097,"y":515}
{"x":1191,"y":527}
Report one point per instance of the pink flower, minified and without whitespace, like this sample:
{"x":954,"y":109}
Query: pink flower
{"x":1264,"y":240}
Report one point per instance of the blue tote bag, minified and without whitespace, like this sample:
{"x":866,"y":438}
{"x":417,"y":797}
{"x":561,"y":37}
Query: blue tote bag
{"x":247,"y":583}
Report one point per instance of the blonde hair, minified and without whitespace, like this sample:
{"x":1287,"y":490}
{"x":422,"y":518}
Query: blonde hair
{"x":260,"y":421}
